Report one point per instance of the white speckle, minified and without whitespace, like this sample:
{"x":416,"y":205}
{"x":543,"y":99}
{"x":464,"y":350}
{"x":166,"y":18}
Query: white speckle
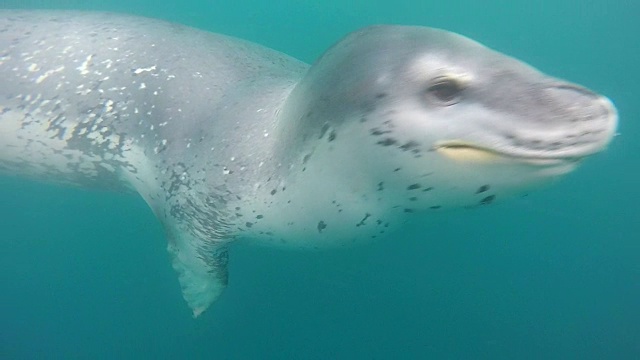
{"x":135,"y":110}
{"x":259,"y":110}
{"x":33,"y":67}
{"x":109,"y":105}
{"x":42,"y":77}
{"x":108,"y":62}
{"x":188,"y":145}
{"x":164,"y":142}
{"x":261,"y":163}
{"x":266,"y":134}
{"x":143,"y":86}
{"x":84,"y":68}
{"x":233,"y":158}
{"x":141,"y":70}
{"x":155,"y":93}
{"x":225,"y":171}
{"x":151,"y":127}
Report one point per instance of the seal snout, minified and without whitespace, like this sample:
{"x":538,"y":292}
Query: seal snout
{"x":588,"y":120}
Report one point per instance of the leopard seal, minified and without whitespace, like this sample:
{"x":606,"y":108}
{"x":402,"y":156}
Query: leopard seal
{"x":227,"y":140}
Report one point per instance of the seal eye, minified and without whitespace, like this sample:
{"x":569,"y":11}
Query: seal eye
{"x":445,"y":90}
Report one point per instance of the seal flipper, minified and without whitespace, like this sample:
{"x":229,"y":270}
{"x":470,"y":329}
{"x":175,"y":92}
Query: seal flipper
{"x":201,"y":267}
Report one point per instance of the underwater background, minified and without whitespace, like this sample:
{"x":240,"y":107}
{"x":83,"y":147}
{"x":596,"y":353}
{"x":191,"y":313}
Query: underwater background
{"x":555,"y":275}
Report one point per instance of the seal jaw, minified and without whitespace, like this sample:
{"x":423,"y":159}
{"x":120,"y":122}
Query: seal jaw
{"x":461,"y":151}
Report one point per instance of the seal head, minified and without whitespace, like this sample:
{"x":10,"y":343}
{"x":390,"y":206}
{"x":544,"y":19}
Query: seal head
{"x":429,"y":109}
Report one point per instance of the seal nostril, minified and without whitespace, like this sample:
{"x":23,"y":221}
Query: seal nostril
{"x":576,"y":88}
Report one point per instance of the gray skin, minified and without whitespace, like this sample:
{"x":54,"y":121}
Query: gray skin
{"x":227,"y":140}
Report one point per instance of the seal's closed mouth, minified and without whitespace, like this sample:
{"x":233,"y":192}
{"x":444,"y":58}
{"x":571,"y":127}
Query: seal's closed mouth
{"x":462,"y":151}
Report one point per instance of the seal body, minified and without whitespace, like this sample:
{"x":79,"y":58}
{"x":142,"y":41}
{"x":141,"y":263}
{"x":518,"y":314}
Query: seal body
{"x":228,"y":140}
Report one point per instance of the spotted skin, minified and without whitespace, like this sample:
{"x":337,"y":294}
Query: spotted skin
{"x":226,"y":140}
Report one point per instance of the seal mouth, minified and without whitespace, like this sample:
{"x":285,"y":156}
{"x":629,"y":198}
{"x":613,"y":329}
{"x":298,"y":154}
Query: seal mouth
{"x":462,"y":151}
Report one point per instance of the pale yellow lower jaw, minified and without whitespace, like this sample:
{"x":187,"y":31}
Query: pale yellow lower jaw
{"x":469,"y":154}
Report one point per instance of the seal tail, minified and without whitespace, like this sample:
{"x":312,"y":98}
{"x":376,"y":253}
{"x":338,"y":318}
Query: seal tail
{"x":202,"y":269}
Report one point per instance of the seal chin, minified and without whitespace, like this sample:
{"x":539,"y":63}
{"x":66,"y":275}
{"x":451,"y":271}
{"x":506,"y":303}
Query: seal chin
{"x":465,"y":152}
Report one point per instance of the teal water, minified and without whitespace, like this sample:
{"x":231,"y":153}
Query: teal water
{"x":85,"y":274}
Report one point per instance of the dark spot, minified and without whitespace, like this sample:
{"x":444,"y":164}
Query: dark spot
{"x":378,"y":221}
{"x":396,"y":169}
{"x":427,"y":189}
{"x":378,"y":132}
{"x":435,"y":207}
{"x":237,"y":208}
{"x":488,"y":200}
{"x":408,"y":210}
{"x":411,"y":145}
{"x":259,"y":217}
{"x":369,"y":107}
{"x":248,"y":224}
{"x":332,"y":136}
{"x":380,"y":186}
{"x":361,"y":223}
{"x":414,"y":187}
{"x":387,"y":142}
{"x":413,"y":198}
{"x":324,"y":130}
{"x":273,"y":192}
{"x":284,"y":188}
{"x":482,"y":189}
{"x":386,"y":225}
{"x":321,"y":226}
{"x":306,"y":158}
{"x":381,"y":95}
